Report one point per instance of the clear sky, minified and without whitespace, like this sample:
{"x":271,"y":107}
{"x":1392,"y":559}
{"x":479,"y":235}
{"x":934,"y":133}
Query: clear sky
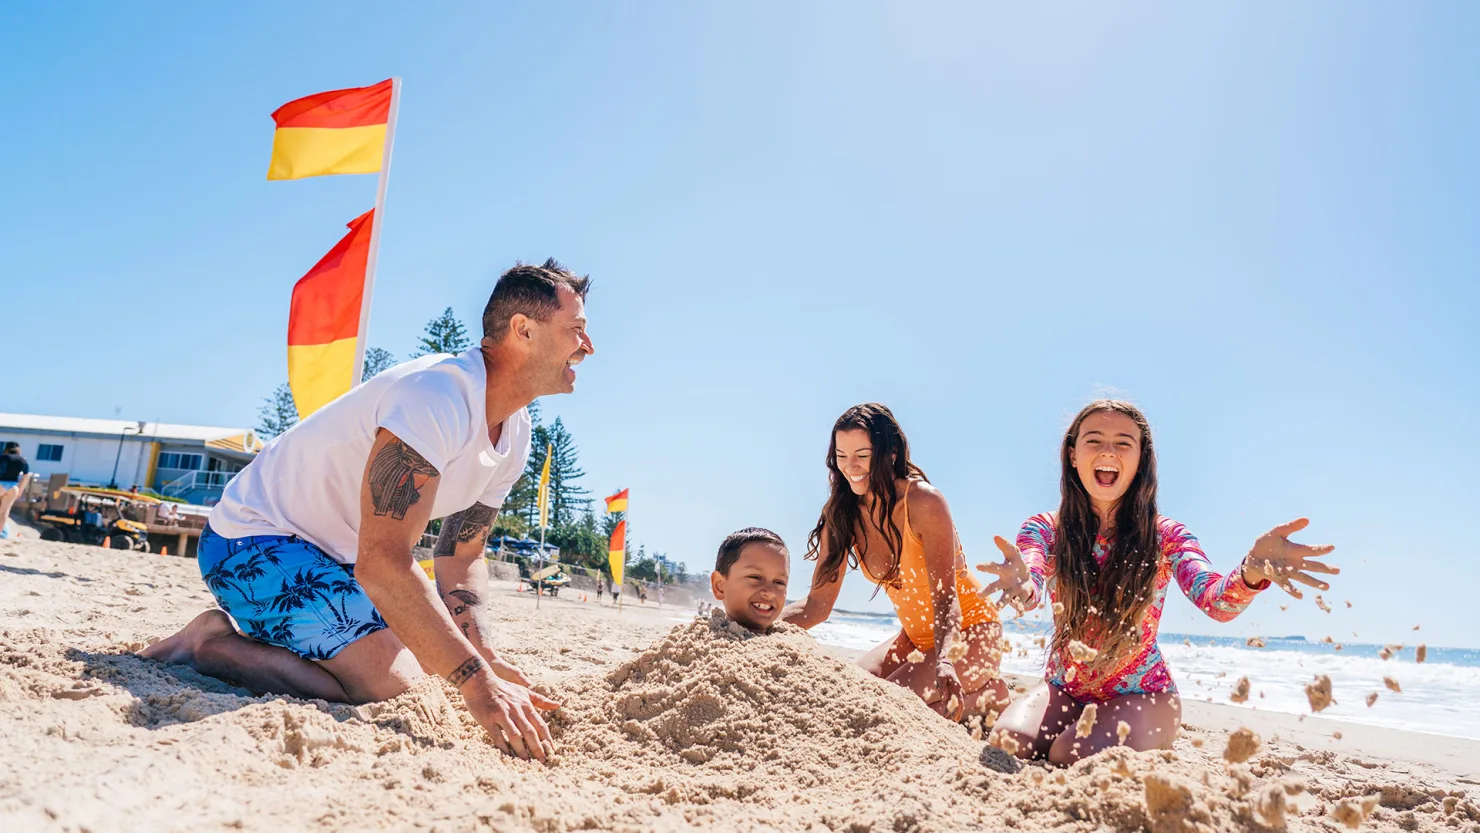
{"x":1259,"y":222}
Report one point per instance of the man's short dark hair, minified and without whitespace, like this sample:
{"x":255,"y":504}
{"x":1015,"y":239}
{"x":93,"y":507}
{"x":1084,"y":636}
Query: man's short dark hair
{"x":531,"y":290}
{"x":729,"y":551}
{"x":12,"y":446}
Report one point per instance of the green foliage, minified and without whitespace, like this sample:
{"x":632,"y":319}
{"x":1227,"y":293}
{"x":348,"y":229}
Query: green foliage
{"x":580,"y":542}
{"x":278,"y":413}
{"x":566,"y":497}
{"x":376,"y":360}
{"x":444,"y":334}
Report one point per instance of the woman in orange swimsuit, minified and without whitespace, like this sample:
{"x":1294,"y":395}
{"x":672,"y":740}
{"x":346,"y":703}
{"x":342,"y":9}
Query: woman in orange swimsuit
{"x":885,"y":518}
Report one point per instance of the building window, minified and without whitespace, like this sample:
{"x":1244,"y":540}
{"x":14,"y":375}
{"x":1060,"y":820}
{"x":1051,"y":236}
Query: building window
{"x":49,"y":453}
{"x":179,"y":461}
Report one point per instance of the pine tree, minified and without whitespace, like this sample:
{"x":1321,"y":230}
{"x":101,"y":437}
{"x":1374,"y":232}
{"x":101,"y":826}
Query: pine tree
{"x":444,"y":334}
{"x":278,"y":413}
{"x":566,"y":497}
{"x":376,"y":360}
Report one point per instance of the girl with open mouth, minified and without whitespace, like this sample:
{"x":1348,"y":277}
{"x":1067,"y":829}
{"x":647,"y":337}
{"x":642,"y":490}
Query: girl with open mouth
{"x":1106,"y":558}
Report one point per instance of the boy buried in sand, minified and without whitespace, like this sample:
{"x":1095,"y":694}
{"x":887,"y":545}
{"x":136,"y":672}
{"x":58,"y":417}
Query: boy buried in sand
{"x":750,"y":576}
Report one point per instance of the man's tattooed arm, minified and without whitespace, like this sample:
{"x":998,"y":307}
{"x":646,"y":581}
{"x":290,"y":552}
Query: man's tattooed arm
{"x":465,"y":671}
{"x":397,"y":475}
{"x":463,"y":527}
{"x":468,"y":613}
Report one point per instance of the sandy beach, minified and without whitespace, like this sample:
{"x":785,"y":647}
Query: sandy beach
{"x":664,"y":726}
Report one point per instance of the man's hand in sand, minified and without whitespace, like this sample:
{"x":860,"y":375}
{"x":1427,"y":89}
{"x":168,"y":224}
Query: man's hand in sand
{"x":1278,"y":559}
{"x":1014,"y":581}
{"x":509,"y":712}
{"x":506,"y":670}
{"x":952,"y":702}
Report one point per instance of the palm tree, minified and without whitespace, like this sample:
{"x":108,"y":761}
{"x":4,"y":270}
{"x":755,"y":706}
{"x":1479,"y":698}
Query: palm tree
{"x":375,"y":624}
{"x":219,"y":578}
{"x":249,"y":571}
{"x":342,"y":587}
{"x":305,"y":587}
{"x":258,"y":630}
{"x":316,"y":652}
{"x":282,"y":632}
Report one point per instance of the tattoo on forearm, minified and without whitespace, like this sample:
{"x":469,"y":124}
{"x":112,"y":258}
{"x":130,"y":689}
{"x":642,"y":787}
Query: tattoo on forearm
{"x":471,"y":524}
{"x":397,"y":475}
{"x":465,"y":603}
{"x":465,"y":672}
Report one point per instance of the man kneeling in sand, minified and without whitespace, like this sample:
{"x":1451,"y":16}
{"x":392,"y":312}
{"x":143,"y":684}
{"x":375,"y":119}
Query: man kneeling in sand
{"x":309,"y":550}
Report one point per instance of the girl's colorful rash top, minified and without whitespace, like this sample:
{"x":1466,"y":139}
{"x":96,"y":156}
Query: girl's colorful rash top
{"x":1144,"y":671}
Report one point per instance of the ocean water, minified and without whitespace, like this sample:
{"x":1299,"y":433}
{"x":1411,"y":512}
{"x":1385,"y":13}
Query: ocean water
{"x":1438,"y":695}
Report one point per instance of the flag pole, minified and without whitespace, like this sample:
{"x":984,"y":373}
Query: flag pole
{"x":540,"y":582}
{"x":385,"y":175}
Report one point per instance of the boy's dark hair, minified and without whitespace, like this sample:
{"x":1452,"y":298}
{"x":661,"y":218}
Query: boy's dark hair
{"x":729,"y":551}
{"x":12,"y":446}
{"x":531,"y":290}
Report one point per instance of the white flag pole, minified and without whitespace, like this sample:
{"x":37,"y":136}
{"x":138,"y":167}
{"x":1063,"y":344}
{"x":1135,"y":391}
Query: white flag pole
{"x":379,"y":220}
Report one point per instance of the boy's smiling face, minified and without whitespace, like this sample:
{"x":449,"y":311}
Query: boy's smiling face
{"x":754,"y":591}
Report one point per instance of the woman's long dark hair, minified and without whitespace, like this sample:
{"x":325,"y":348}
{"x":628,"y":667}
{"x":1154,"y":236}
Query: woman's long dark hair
{"x":1103,"y":604}
{"x":841,"y":516}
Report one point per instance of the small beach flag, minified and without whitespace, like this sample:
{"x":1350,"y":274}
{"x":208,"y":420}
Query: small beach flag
{"x":617,"y":502}
{"x":617,"y":552}
{"x":544,"y":498}
{"x":337,"y":132}
{"x":324,"y":321}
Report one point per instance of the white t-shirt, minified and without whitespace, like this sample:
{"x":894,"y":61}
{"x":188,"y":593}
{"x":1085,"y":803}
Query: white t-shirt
{"x":307,"y":481}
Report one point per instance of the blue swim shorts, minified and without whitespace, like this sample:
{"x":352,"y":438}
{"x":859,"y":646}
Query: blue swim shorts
{"x":283,"y":590}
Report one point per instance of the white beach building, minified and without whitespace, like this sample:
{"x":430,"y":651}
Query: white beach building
{"x":190,"y":462}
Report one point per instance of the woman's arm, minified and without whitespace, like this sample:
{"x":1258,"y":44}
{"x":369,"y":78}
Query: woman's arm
{"x":930,"y":518}
{"x":1220,"y":597}
{"x":818,"y":605}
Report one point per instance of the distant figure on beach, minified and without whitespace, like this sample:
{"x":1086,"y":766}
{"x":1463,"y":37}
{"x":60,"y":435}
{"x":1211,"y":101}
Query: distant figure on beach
{"x":885,"y":518}
{"x":750,"y":575}
{"x":1106,"y":558}
{"x":309,"y":551}
{"x":14,"y":477}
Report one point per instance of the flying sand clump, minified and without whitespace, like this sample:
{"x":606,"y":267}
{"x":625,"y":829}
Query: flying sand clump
{"x":1319,"y":693}
{"x":1240,"y":690}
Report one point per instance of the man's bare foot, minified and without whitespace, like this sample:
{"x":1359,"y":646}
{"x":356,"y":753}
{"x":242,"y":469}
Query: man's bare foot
{"x":211,"y":646}
{"x":183,"y":646}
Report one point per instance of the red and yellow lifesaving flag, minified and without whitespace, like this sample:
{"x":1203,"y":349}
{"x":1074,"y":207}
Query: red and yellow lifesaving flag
{"x":617,"y":502}
{"x":544,"y":493}
{"x":324,"y":320}
{"x":338,"y":132}
{"x":617,"y":552}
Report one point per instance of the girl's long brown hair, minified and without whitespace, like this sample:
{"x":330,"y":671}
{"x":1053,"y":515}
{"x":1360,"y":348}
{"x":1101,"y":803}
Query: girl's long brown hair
{"x":1104,"y":603}
{"x":841,"y":516}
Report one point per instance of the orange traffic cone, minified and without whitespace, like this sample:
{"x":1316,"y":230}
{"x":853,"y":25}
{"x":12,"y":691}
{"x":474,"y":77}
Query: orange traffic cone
{"x":164,"y":550}
{"x":107,"y":543}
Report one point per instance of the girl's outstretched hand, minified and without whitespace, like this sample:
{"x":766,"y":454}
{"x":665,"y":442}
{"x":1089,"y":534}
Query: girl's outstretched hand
{"x":1278,"y":559}
{"x":1014,"y":581}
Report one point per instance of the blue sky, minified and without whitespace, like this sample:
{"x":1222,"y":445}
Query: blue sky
{"x":1257,"y":222}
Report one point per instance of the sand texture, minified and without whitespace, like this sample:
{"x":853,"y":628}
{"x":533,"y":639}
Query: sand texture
{"x":664,"y":726}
